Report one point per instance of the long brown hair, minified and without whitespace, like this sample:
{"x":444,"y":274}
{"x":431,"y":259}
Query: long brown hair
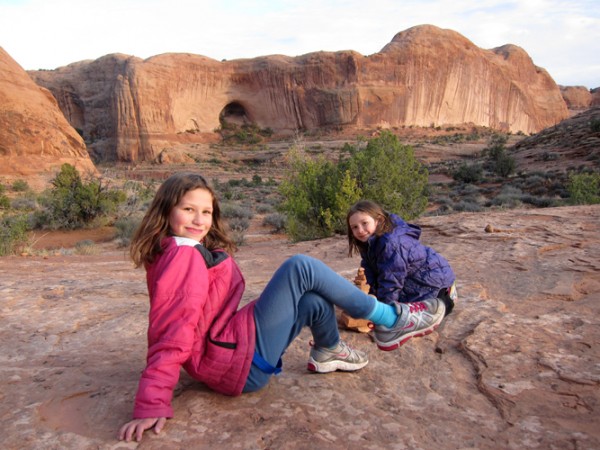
{"x":145,"y":245}
{"x":381,"y":217}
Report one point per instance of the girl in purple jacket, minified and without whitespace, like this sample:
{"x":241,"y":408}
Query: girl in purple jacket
{"x":195,"y":322}
{"x":399,"y":269}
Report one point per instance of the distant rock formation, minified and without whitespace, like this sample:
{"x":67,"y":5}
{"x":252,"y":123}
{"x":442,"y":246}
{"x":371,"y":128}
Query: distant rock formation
{"x":131,"y":109}
{"x":35,"y":137}
{"x":576,"y":97}
{"x":595,"y":97}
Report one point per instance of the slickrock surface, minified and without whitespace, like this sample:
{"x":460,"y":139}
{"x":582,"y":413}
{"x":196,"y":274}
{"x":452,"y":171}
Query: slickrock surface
{"x":515,"y":366}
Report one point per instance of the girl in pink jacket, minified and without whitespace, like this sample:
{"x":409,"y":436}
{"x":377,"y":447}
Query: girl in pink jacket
{"x":195,"y":288}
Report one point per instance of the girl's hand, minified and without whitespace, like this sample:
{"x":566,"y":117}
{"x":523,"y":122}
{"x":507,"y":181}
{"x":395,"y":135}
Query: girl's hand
{"x":138,"y":426}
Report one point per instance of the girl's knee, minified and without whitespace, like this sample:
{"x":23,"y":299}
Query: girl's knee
{"x":299,"y":260}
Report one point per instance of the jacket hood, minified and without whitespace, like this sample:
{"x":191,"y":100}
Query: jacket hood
{"x":403,"y":228}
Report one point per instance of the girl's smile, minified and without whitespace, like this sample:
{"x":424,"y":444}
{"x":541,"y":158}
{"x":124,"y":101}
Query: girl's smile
{"x":362,"y":225}
{"x":192,"y":216}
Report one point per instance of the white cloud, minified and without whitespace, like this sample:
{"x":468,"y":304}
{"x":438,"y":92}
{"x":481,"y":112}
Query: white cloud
{"x":560,"y":36}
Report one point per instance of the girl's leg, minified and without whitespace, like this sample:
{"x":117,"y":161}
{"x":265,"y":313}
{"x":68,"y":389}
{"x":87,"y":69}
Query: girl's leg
{"x":276,"y":329}
{"x":302,"y":293}
{"x":301,"y":274}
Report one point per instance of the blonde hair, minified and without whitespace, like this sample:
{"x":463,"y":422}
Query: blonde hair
{"x":381,"y":217}
{"x":145,"y":245}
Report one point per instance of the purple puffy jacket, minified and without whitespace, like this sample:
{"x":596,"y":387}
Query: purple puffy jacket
{"x":399,"y":268}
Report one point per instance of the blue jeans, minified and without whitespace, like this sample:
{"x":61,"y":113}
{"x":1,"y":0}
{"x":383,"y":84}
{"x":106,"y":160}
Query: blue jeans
{"x":302,"y":292}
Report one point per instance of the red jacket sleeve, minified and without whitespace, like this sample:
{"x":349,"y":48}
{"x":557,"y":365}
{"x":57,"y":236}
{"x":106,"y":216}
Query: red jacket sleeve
{"x":178,"y":288}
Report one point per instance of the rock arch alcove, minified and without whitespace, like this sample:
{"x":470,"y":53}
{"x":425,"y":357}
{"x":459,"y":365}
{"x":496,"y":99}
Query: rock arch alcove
{"x":234,"y":113}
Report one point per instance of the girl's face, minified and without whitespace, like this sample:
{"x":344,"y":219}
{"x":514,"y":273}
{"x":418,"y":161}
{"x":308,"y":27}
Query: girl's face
{"x":192,"y":216}
{"x":362,"y":226}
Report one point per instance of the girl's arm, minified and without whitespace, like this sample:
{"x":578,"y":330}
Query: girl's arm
{"x":178,"y":284}
{"x":392,"y":269}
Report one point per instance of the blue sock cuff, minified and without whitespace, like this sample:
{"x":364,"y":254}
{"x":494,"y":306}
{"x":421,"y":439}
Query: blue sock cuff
{"x":383,"y":314}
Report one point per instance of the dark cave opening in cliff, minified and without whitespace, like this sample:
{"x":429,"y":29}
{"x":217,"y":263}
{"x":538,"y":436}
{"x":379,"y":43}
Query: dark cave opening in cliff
{"x":234,"y":113}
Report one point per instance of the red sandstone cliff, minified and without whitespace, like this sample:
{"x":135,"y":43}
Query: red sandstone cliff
{"x":576,"y":97}
{"x":35,"y":137}
{"x":131,"y":109}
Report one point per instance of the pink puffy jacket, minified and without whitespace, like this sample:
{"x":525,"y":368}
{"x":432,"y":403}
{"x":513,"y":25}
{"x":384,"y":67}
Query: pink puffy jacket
{"x":194,"y":323}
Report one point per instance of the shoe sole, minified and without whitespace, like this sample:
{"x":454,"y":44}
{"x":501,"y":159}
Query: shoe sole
{"x":332,"y":366}
{"x":408,"y":337}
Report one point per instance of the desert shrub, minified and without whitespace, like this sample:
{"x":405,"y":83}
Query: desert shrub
{"x":138,"y":197}
{"x":504,"y":165}
{"x":125,"y":228}
{"x":238,"y":218}
{"x":499,"y":161}
{"x":13,"y":233}
{"x":20,"y":186}
{"x":534,"y":181}
{"x":4,"y":202}
{"x":86,"y":247}
{"x":467,"y":190}
{"x":540,"y":201}
{"x":264,"y":208}
{"x":388,"y":172}
{"x":316,"y":196}
{"x":244,"y":134}
{"x":256,"y":180}
{"x":238,"y":224}
{"x":496,"y":146}
{"x":509,"y":197}
{"x":468,"y":173}
{"x":467,"y":206}
{"x":550,"y":156}
{"x":73,"y":203}
{"x":584,"y":188}
{"x":24,"y":204}
{"x":232,"y":210}
{"x":275,"y":220}
{"x":317,"y":193}
{"x":595,"y":125}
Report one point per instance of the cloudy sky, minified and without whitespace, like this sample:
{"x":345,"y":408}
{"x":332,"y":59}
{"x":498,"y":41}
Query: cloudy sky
{"x":562,"y":36}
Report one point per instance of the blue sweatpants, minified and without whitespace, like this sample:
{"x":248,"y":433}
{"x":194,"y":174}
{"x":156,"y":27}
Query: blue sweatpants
{"x":302,"y":292}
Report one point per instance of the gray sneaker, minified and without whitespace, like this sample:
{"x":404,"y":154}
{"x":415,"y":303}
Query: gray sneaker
{"x":414,"y":320}
{"x":343,"y":357}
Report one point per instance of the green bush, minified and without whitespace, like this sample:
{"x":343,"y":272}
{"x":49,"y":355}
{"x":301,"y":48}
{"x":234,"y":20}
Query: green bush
{"x":239,"y":224}
{"x":126,"y":227}
{"x":317,"y":193}
{"x":313,"y":197}
{"x":468,"y":173}
{"x":505,"y":166}
{"x":20,"y":186}
{"x":4,"y":202}
{"x":498,"y":161}
{"x":388,"y":173}
{"x":275,"y":220}
{"x":73,"y":203}
{"x":235,"y":211}
{"x":13,"y":233}
{"x":584,"y":188}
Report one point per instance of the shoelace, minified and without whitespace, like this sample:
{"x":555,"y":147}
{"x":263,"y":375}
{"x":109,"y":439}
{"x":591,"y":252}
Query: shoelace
{"x":417,"y":306}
